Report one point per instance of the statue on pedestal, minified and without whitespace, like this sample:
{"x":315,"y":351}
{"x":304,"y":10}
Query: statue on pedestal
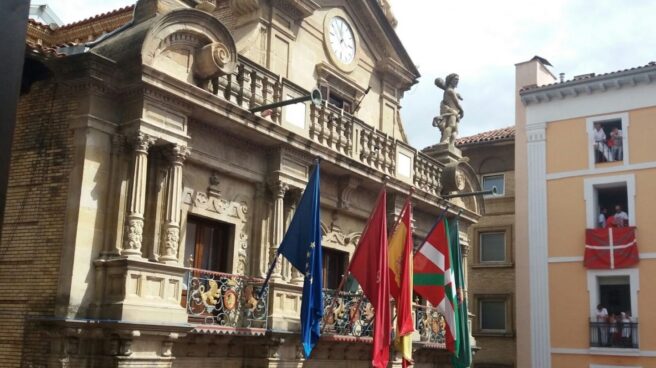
{"x":450,"y":110}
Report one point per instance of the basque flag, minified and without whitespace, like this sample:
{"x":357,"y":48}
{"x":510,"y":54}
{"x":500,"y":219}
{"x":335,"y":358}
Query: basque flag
{"x":302,"y":247}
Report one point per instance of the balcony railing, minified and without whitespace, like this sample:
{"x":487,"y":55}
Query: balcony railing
{"x":347,"y":314}
{"x":614,"y":335}
{"x":252,"y":85}
{"x":351,"y":314}
{"x":430,"y":324}
{"x":224,"y":300}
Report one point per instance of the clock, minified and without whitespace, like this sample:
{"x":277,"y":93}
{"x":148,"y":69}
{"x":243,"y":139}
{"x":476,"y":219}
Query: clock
{"x":341,"y":40}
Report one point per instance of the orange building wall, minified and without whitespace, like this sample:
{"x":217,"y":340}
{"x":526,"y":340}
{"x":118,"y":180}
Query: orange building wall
{"x":569,"y":306}
{"x":641,"y":135}
{"x":567,"y":145}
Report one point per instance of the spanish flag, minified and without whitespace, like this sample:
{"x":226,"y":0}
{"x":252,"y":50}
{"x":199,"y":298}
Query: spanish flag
{"x":400,"y":263}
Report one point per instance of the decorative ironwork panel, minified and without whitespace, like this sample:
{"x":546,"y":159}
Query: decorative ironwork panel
{"x":430,"y":324}
{"x":347,"y":314}
{"x":225,"y":300}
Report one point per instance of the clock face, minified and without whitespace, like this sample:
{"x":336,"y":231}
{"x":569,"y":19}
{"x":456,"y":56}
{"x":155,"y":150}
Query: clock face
{"x":342,"y":41}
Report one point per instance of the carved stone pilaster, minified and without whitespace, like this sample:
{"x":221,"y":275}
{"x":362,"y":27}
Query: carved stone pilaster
{"x":171,"y":230}
{"x":135,"y":220}
{"x":119,"y":148}
{"x":278,"y":188}
{"x":294,"y":197}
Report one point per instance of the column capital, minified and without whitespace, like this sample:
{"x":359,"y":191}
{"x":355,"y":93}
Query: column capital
{"x":278,"y":188}
{"x":178,"y":154}
{"x":142,"y":142}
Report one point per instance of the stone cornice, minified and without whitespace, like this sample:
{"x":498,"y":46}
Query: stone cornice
{"x":297,"y":9}
{"x":396,"y":73}
{"x":602,"y":83}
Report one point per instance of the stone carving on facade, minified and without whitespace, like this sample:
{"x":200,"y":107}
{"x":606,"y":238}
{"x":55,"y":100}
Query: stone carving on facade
{"x":451,"y":111}
{"x":237,"y":210}
{"x":347,"y":186}
{"x":213,"y":189}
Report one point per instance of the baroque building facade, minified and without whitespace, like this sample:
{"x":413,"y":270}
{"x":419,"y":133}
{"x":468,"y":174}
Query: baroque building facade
{"x":146,"y":201}
{"x":585,"y":173}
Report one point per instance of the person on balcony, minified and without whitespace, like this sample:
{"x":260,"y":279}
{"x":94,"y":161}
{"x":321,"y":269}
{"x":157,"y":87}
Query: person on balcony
{"x":615,"y":144}
{"x":621,"y":218}
{"x":601,"y":220}
{"x":626,"y":328}
{"x":602,"y":151}
{"x":601,"y":316}
{"x":613,"y":331}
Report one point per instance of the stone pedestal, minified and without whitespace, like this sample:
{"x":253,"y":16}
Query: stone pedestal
{"x":141,"y":291}
{"x":445,"y":153}
{"x":284,"y":307}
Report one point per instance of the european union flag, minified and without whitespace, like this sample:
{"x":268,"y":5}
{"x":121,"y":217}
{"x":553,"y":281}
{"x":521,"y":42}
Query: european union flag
{"x":302,"y":247}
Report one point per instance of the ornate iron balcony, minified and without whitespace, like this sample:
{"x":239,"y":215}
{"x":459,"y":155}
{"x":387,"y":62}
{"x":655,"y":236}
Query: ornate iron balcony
{"x":224,"y":300}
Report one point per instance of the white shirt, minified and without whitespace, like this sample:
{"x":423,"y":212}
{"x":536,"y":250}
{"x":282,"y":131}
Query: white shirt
{"x":623,"y":217}
{"x":599,"y":135}
{"x":602,"y":315}
{"x":602,"y":220}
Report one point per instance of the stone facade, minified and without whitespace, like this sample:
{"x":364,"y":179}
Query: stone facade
{"x":132,"y":146}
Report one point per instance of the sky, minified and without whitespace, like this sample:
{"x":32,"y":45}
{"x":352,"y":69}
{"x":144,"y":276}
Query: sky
{"x":482,"y":40}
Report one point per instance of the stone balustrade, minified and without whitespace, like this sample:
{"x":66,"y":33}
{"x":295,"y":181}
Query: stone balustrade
{"x":252,"y":85}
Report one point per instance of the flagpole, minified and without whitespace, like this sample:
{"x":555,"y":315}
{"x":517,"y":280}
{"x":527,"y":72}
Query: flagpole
{"x":268,"y":276}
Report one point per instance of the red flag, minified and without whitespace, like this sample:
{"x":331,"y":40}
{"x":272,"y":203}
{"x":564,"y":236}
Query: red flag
{"x":610,"y":248}
{"x":369,"y":267}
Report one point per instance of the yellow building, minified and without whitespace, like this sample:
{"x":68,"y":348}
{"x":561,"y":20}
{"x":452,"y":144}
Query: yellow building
{"x":585,"y":146}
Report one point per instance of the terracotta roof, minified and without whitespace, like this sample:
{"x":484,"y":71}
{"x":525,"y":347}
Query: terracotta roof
{"x":587,"y":77}
{"x":125,"y":9}
{"x":489,"y":136}
{"x":41,"y":36}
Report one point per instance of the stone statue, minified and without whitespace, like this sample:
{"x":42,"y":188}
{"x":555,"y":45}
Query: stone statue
{"x":450,"y":110}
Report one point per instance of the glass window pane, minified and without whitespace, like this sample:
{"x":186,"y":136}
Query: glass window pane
{"x":494,"y":181}
{"x":493,"y":315}
{"x":493,"y":247}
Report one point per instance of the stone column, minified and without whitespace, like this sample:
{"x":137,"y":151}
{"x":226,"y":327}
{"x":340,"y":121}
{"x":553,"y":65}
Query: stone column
{"x":134,"y":222}
{"x":171,"y":228}
{"x":279,"y":189}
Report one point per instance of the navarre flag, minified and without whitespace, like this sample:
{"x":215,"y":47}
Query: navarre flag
{"x":400,"y":274}
{"x":369,"y":266}
{"x":433,"y":276}
{"x":610,"y":248}
{"x":302,"y":247}
{"x":462,"y":356}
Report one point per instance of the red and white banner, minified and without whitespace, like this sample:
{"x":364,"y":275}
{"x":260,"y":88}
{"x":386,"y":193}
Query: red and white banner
{"x":610,"y":248}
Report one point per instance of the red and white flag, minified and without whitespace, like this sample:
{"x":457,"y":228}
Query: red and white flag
{"x":610,"y":248}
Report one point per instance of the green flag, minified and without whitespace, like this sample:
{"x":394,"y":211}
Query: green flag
{"x":462,"y":356}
